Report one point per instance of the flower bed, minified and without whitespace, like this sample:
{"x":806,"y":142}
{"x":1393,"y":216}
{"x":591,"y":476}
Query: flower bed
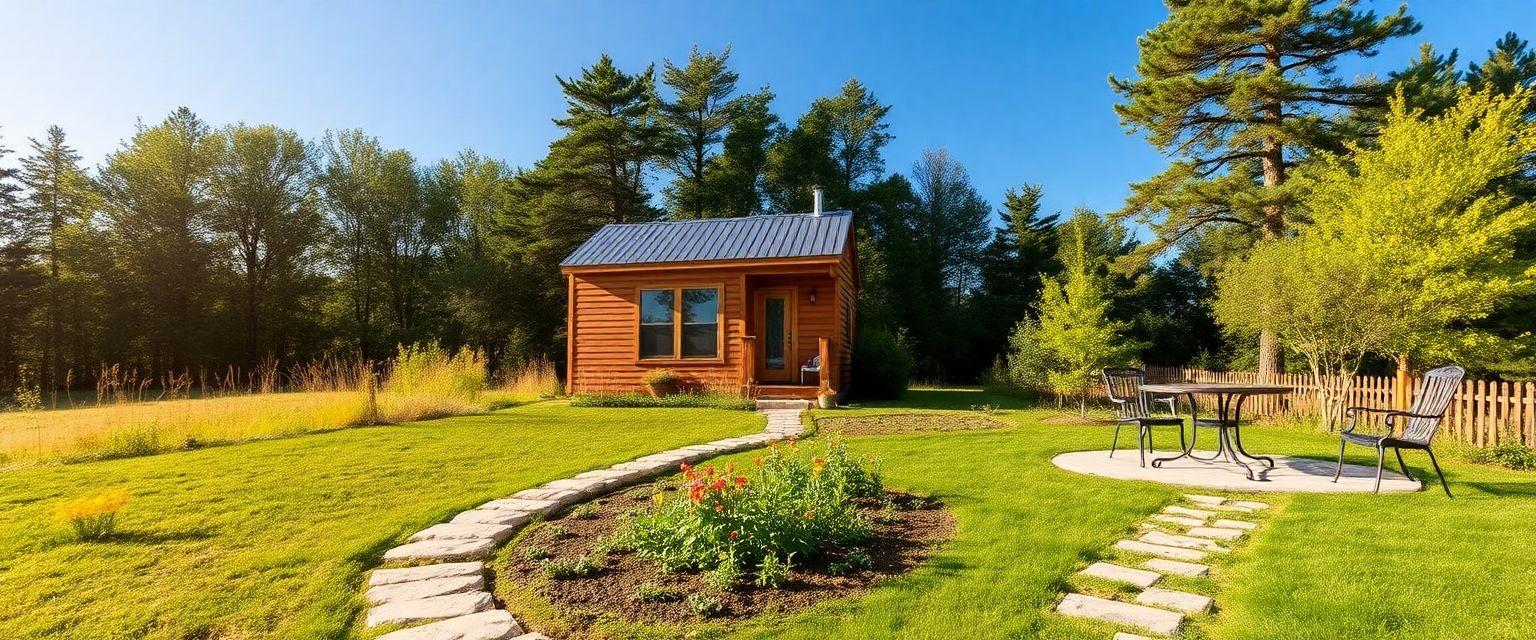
{"x":802,"y":524}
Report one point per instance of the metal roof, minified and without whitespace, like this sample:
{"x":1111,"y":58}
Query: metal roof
{"x":791,"y":235}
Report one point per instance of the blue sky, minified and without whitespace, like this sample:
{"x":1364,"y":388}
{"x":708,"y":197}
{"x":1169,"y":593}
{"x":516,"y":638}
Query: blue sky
{"x":1015,"y":90}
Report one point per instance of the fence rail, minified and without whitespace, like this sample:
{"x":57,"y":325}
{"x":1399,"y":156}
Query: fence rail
{"x":1484,"y":413}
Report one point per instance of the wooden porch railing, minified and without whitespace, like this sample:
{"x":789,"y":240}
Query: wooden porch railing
{"x":749,"y":361}
{"x":824,"y":377}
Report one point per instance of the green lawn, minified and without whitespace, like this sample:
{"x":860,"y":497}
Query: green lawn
{"x":1358,"y":566}
{"x":271,"y":539}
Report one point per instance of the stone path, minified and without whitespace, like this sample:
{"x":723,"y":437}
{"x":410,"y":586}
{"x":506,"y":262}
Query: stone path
{"x":1171,"y":543}
{"x":448,"y":595}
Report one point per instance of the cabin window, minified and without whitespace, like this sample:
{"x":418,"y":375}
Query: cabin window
{"x":701,"y":323}
{"x":682,"y":322}
{"x":656,"y":325}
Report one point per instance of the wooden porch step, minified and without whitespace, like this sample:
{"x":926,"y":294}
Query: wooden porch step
{"x":769,"y":403}
{"x":786,"y":392}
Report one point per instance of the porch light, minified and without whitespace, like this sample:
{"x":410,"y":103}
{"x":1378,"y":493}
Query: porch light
{"x":813,"y":296}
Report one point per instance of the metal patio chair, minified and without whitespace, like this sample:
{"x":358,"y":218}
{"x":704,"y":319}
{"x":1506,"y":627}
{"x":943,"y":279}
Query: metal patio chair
{"x":811,"y":366}
{"x":1422,"y":419}
{"x":1133,"y":406}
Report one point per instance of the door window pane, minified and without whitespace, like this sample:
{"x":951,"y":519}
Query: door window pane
{"x":773,"y":333}
{"x":701,"y":327}
{"x":656,"y":328}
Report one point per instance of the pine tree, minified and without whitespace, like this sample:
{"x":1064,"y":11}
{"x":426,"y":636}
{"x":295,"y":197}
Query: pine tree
{"x":1509,"y":66}
{"x":734,"y":179}
{"x":612,"y":138}
{"x":1075,"y":326}
{"x":837,"y":144}
{"x":158,"y":211}
{"x":60,"y":199}
{"x":1020,"y":254}
{"x":1237,"y":93}
{"x":695,"y":125}
{"x":20,"y":279}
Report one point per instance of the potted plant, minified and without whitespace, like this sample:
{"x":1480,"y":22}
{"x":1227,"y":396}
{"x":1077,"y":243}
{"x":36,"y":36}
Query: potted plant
{"x":826,"y":400}
{"x":662,"y":382}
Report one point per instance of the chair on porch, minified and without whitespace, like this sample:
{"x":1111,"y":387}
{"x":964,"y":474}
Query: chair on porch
{"x":1133,"y":406}
{"x":811,"y":366}
{"x":1422,"y":420}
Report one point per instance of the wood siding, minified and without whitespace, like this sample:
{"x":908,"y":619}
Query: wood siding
{"x":603,"y":321}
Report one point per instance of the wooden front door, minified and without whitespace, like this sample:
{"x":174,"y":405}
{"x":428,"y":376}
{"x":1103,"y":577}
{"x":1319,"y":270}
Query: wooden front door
{"x":774,"y":316}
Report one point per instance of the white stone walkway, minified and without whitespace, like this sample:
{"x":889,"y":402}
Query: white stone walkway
{"x":1174,"y":542}
{"x":448,"y":590}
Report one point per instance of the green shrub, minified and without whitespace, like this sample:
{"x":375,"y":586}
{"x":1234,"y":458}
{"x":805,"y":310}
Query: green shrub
{"x":706,"y":605}
{"x":652,"y":592}
{"x":794,"y":502}
{"x":429,"y":368}
{"x":772,"y":572}
{"x":93,"y":518}
{"x":1512,"y":455}
{"x":725,"y":576}
{"x":705,"y":400}
{"x":571,"y":568}
{"x":884,"y":367}
{"x":585,"y":511}
{"x":535,"y":552}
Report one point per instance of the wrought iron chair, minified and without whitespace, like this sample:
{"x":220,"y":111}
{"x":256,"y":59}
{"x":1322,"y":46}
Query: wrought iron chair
{"x":1423,"y":418}
{"x":1132,"y":406}
{"x":811,"y":366}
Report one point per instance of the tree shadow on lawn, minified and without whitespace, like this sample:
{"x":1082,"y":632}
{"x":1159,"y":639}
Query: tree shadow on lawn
{"x":1502,"y":489}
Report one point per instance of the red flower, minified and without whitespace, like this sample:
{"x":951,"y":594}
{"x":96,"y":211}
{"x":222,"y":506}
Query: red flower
{"x":741,"y":481}
{"x":809,"y":515}
{"x":718,"y":484}
{"x":735,"y":535}
{"x":719,"y":507}
{"x":685,"y":467}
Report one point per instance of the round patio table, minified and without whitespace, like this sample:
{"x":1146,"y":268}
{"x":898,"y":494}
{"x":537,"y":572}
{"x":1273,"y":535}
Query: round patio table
{"x":1229,"y":414}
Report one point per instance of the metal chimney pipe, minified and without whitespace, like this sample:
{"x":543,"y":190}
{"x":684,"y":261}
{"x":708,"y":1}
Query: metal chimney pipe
{"x":816,"y":200}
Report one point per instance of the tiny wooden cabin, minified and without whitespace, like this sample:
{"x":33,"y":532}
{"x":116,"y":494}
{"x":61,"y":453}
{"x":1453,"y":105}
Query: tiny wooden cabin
{"x":746,"y":304}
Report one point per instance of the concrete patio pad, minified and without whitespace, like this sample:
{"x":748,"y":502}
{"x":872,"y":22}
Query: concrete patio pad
{"x":1299,"y":475}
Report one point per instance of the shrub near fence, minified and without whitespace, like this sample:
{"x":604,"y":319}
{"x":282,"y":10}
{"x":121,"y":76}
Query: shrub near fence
{"x":1484,"y":413}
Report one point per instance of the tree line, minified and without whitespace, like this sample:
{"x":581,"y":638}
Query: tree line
{"x":200,"y":246}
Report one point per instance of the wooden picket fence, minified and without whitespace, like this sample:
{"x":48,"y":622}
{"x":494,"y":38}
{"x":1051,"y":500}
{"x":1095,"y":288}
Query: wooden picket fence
{"x":1483,"y":413}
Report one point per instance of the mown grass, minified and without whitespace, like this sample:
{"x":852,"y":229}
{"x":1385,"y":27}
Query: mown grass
{"x":270,"y":539}
{"x":1326,"y":566}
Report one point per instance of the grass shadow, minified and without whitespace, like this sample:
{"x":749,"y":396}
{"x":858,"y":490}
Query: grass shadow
{"x":962,"y":398}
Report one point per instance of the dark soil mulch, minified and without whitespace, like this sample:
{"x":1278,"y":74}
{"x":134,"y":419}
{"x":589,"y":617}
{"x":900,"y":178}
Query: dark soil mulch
{"x":900,"y":543}
{"x":894,"y":423}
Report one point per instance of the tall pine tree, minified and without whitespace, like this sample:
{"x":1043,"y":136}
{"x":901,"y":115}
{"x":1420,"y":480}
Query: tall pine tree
{"x":60,"y":200}
{"x":1236,"y":93}
{"x":695,"y":124}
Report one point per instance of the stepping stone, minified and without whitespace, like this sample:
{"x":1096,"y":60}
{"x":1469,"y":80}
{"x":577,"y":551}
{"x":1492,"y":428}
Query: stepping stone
{"x":584,"y":487}
{"x":1183,"y":511}
{"x":1172,"y":553}
{"x":1216,"y":533}
{"x":1121,"y":635}
{"x":1117,"y":573}
{"x":1250,"y":504}
{"x":495,"y":624}
{"x":1205,"y":501}
{"x":1184,"y":520}
{"x":465,"y":531}
{"x":458,"y":604}
{"x":493,"y":516}
{"x":532,"y":636}
{"x":1177,"y":568}
{"x":1176,"y":600}
{"x":418,"y":589}
{"x":428,"y":572}
{"x":443,"y":550}
{"x":1156,"y":621}
{"x":1172,"y":540}
{"x":1236,"y":524}
{"x":1231,"y":507}
{"x":521,"y":504}
{"x":560,"y":497}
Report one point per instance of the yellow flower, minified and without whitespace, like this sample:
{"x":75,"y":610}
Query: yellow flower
{"x":106,"y":503}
